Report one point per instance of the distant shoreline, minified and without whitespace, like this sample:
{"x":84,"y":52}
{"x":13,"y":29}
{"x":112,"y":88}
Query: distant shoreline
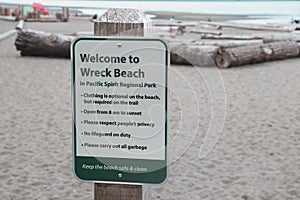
{"x":248,"y":11}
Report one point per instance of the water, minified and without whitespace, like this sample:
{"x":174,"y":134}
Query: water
{"x":260,"y":12}
{"x":266,"y":11}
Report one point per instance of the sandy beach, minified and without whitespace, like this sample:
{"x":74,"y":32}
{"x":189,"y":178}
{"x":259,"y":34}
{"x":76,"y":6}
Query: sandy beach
{"x":255,"y":107}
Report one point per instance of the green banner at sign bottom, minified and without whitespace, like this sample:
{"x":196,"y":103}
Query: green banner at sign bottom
{"x":120,"y":170}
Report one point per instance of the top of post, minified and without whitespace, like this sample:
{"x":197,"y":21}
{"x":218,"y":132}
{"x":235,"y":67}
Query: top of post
{"x":123,"y":15}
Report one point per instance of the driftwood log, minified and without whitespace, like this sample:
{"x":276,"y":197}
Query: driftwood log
{"x":220,"y":25}
{"x":219,"y":43}
{"x":206,"y":32}
{"x":7,"y":34}
{"x":184,"y":54}
{"x":167,"y":23}
{"x":38,"y":43}
{"x":230,"y":37}
{"x":228,"y":43}
{"x":281,"y":37}
{"x":7,"y":18}
{"x":257,"y":53}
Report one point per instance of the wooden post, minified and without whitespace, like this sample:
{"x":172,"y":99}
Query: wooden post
{"x":121,"y":22}
{"x":117,"y":192}
{"x":65,"y":14}
{"x":22,"y":12}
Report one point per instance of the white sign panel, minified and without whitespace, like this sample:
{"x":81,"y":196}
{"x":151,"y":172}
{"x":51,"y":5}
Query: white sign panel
{"x":120,"y":98}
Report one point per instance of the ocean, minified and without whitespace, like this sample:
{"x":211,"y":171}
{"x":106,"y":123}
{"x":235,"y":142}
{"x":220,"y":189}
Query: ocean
{"x":258,"y":11}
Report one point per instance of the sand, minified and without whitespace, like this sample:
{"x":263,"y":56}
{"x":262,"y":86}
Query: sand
{"x":256,"y":155}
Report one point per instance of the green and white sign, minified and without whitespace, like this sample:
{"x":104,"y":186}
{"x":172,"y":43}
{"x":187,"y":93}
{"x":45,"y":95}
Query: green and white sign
{"x":120,"y":109}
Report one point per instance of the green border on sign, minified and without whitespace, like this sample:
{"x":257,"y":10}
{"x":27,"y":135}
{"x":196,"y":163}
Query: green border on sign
{"x":157,"y":169}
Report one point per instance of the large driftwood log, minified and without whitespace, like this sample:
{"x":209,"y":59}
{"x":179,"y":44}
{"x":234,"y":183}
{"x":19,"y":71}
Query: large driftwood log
{"x":230,"y":37}
{"x":38,"y":43}
{"x":281,"y":37}
{"x":256,"y":54}
{"x":184,"y":54}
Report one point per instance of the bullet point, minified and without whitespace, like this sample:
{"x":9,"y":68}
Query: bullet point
{"x":81,"y":144}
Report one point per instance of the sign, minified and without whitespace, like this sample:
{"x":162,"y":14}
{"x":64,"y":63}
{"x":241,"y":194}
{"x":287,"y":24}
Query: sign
{"x":120,"y":111}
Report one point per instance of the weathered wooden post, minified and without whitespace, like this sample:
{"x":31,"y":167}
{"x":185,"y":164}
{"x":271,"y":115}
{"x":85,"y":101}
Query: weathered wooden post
{"x":65,"y":14}
{"x":104,"y":191}
{"x":22,"y":12}
{"x":121,"y":22}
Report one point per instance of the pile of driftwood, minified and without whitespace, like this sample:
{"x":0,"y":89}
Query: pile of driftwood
{"x":226,"y":51}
